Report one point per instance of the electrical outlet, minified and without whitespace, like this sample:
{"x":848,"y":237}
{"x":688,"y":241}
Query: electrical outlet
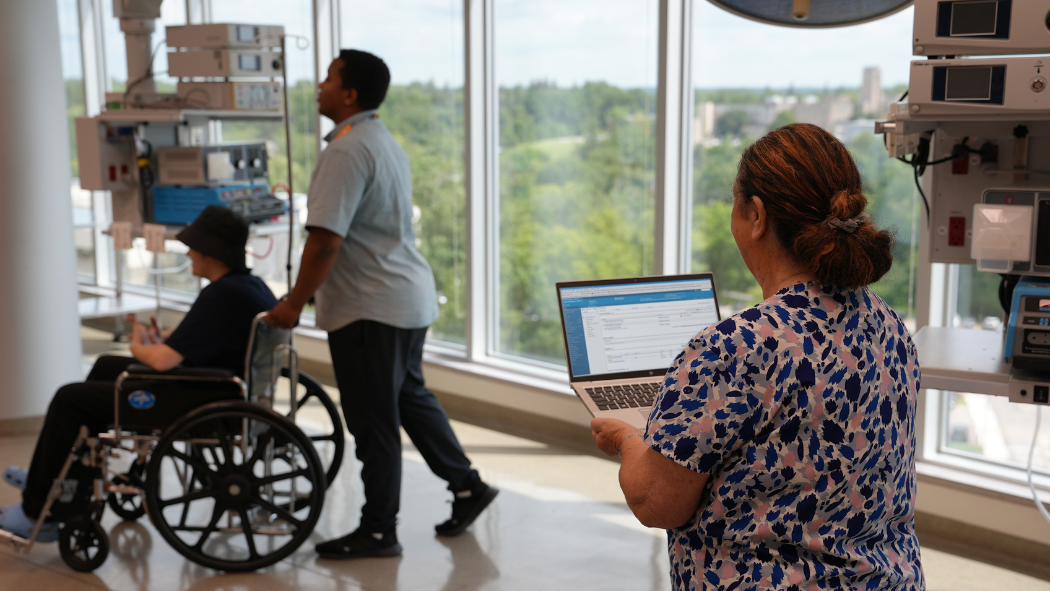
{"x":961,"y":166}
{"x":956,"y":231}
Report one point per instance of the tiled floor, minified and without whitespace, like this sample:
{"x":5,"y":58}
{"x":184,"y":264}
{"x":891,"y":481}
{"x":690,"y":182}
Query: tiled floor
{"x":559,"y":523}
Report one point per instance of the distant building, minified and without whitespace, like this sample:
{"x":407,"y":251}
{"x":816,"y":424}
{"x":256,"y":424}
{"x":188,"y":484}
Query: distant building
{"x":851,"y":129}
{"x":871,"y":92}
{"x":827,"y":112}
{"x":704,"y":123}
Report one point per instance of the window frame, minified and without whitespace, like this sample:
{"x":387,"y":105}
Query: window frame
{"x":934,"y":294}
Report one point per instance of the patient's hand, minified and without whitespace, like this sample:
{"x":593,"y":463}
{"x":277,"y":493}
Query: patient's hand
{"x":158,"y":356}
{"x":156,"y":335}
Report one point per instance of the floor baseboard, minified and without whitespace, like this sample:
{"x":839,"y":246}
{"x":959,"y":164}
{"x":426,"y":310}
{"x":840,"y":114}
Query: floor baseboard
{"x":983,"y":545}
{"x":21,"y":426}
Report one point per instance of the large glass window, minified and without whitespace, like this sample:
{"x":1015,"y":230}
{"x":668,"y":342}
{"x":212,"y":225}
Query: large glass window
{"x":421,"y":42}
{"x":841,"y":79}
{"x":577,"y":88}
{"x":978,"y":426}
{"x":73,"y":76}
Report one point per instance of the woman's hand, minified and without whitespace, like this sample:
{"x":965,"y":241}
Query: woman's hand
{"x":661,"y":493}
{"x":609,"y":434}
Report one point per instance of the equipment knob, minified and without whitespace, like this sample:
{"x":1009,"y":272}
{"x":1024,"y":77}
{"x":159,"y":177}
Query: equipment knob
{"x":241,"y":164}
{"x":257,"y":163}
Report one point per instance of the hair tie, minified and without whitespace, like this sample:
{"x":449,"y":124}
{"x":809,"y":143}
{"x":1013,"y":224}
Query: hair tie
{"x":848,"y":226}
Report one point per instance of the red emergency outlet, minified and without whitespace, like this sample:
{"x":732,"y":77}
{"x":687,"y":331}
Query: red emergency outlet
{"x":113,"y":174}
{"x":957,"y":231}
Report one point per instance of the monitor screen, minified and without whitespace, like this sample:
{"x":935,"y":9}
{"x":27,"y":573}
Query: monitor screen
{"x":973,"y":18}
{"x":249,"y":62}
{"x":968,"y":84}
{"x":612,"y":329}
{"x":247,"y":33}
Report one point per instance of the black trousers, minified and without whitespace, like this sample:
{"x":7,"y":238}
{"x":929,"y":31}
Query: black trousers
{"x":90,"y":403}
{"x":87,"y":403}
{"x":379,"y":370}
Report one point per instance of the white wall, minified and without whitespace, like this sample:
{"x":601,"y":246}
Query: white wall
{"x":39,"y":326}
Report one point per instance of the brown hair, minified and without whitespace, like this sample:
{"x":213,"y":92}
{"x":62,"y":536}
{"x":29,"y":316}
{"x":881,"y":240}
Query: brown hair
{"x":810,"y":185}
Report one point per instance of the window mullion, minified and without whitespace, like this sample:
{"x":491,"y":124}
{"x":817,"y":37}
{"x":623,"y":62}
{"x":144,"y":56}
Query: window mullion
{"x":480,"y":161}
{"x":673,"y":116}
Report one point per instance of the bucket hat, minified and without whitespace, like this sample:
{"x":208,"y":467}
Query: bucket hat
{"x":218,"y":232}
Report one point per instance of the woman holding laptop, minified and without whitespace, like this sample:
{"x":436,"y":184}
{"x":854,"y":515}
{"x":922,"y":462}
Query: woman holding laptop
{"x":780,"y":452}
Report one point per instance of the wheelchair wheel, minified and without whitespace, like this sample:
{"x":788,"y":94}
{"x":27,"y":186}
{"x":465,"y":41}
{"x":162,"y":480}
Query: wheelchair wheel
{"x":327,"y":434}
{"x":128,"y":507}
{"x":217,"y":493}
{"x":83,"y":544}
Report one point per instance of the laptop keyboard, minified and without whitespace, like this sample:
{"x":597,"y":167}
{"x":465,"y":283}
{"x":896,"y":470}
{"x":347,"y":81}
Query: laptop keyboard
{"x":624,"y":395}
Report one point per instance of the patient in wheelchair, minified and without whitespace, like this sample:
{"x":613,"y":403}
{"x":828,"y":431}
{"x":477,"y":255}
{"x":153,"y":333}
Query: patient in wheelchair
{"x":213,"y":334}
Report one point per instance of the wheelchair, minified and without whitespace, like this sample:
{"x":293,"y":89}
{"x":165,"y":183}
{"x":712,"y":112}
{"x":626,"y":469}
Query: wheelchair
{"x":232,"y":485}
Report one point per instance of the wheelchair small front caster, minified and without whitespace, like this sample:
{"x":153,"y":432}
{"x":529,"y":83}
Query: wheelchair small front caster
{"x":83,"y":544}
{"x":128,"y":507}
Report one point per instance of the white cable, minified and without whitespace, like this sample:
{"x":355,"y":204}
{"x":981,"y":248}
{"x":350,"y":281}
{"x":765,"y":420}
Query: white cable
{"x":179,"y":269}
{"x":1031,"y":453}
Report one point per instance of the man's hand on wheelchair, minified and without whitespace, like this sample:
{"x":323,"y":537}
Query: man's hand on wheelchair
{"x":284,"y":315}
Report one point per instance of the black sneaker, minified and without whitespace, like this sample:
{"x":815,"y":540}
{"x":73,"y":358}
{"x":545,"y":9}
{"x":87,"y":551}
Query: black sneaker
{"x":360,"y":544}
{"x":465,"y":509}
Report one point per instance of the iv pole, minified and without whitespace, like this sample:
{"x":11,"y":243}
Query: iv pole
{"x":288,"y":151}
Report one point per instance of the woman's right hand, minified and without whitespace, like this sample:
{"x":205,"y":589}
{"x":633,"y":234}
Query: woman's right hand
{"x":609,"y":434}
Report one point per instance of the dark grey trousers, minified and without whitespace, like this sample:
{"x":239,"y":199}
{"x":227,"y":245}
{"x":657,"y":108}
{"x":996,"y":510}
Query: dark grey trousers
{"x":379,"y":372}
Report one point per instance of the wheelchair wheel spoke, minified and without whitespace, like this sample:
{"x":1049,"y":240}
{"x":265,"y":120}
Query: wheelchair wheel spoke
{"x":246,"y":525}
{"x":200,"y":465}
{"x":302,"y":401}
{"x":224,"y":443}
{"x":279,"y":477}
{"x":216,"y":515}
{"x":187,"y":499}
{"x":282,"y":512}
{"x":260,"y":449}
{"x":186,"y":507}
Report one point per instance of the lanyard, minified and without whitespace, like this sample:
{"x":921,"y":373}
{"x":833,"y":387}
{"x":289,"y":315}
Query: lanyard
{"x":349,"y":127}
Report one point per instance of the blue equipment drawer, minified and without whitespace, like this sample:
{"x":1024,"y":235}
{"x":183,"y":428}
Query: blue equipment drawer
{"x":182,"y":205}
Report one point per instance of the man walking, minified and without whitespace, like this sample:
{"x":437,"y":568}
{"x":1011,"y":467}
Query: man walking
{"x":375,"y":296}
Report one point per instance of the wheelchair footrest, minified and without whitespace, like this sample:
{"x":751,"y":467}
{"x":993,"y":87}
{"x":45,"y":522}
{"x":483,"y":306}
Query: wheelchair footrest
{"x":17,"y":542}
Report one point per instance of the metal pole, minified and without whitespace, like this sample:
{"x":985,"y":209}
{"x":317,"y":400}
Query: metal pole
{"x":288,"y":151}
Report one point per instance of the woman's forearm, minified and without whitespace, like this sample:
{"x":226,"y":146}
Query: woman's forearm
{"x":660,"y":492}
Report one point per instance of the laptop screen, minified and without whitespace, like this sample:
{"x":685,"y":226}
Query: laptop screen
{"x":634,"y":325}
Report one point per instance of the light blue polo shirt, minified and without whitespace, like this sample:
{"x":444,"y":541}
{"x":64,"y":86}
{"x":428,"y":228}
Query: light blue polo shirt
{"x":362,"y":190}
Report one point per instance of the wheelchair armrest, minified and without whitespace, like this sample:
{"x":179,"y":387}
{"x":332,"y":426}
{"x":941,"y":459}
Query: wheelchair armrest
{"x":138,"y":369}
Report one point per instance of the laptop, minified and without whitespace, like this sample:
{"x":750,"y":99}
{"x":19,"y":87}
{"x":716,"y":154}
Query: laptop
{"x":621,"y":335}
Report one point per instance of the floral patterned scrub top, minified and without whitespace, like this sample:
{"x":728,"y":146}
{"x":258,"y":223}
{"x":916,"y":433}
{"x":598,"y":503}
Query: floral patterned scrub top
{"x":802,"y":410}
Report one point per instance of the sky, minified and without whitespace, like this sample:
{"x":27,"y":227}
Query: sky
{"x":567,"y":42}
